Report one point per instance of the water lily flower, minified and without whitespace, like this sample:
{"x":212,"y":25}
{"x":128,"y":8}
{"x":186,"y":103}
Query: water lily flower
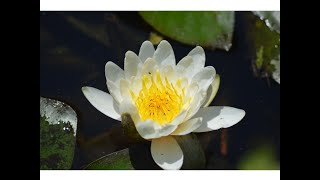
{"x":164,"y":99}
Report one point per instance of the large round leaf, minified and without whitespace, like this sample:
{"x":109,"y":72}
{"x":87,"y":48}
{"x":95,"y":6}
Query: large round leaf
{"x":207,"y":29}
{"x":58,"y":124}
{"x":272,"y":19}
{"x":266,"y":41}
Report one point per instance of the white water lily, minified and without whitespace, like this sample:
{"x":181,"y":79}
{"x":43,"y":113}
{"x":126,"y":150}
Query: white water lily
{"x":164,"y":99}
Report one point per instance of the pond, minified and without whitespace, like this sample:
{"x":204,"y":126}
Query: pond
{"x":75,"y":46}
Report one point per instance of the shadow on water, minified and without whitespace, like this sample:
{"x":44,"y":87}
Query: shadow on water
{"x":75,"y":46}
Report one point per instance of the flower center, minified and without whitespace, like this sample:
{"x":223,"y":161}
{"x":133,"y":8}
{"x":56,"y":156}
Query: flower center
{"x":158,"y":101}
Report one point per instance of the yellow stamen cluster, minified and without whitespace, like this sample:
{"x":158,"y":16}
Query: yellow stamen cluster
{"x":158,"y":101}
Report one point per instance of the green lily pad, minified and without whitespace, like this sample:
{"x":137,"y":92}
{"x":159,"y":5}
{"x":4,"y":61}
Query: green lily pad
{"x":207,"y":29}
{"x":193,"y":154}
{"x":266,"y":41}
{"x":58,"y":124}
{"x":119,"y":160}
{"x":271,"y":18}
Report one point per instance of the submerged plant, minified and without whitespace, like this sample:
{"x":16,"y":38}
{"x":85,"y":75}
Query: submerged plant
{"x":164,"y":99}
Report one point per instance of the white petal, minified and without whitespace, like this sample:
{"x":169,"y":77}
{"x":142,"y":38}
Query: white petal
{"x":185,"y":62}
{"x":195,"y":105}
{"x":216,"y":117}
{"x":192,"y":89}
{"x":116,"y":108}
{"x":127,"y":106}
{"x":193,"y":63}
{"x":113,"y":72}
{"x":179,"y":118}
{"x":132,"y":64}
{"x":212,"y":91}
{"x":146,"y":51}
{"x":187,"y":67}
{"x":101,"y":101}
{"x":149,"y":129}
{"x":169,"y":72}
{"x":167,"y":153}
{"x":114,"y":90}
{"x":124,"y":89}
{"x":184,"y":82}
{"x":188,"y":126}
{"x":205,"y":77}
{"x":149,"y":66}
{"x":135,"y":85}
{"x":164,"y":54}
{"x":198,"y":57}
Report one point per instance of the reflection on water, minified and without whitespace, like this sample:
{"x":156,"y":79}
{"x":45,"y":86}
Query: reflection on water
{"x":75,"y":46}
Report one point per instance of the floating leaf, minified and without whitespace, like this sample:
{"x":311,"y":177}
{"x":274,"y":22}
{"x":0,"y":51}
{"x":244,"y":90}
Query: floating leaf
{"x":58,"y":124}
{"x":193,"y":155}
{"x":207,"y":29}
{"x":119,"y":160}
{"x":271,"y":18}
{"x":266,"y":44}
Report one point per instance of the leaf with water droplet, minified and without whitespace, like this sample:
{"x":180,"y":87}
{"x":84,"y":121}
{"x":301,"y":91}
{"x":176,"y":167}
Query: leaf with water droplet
{"x":266,"y":43}
{"x":271,"y":18}
{"x":207,"y":29}
{"x":58,"y":124}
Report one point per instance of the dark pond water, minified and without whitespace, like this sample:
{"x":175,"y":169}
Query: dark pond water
{"x":75,"y":46}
